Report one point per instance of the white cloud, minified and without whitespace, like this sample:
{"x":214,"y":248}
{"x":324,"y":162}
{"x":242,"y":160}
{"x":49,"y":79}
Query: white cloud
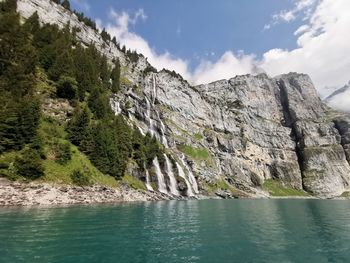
{"x":341,"y":101}
{"x":301,"y":7}
{"x":267,"y":27}
{"x":301,"y":29}
{"x":322,"y":47}
{"x":287,"y":16}
{"x":226,"y":67}
{"x":119,"y":27}
{"x":322,"y":51}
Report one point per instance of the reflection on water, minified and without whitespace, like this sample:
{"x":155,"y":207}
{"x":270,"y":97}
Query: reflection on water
{"x":179,"y":231}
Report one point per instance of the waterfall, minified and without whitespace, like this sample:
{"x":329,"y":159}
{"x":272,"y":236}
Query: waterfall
{"x":115,"y":105}
{"x":148,"y":117}
{"x":173,"y":183}
{"x":141,"y":131}
{"x":162,"y":129}
{"x":148,"y":184}
{"x":154,"y":95}
{"x":191,"y":177}
{"x":151,"y":127}
{"x":160,"y":137}
{"x":160,"y":177}
{"x":182,"y":175}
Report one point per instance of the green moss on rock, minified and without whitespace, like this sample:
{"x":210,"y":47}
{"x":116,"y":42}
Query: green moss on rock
{"x":277,"y":188}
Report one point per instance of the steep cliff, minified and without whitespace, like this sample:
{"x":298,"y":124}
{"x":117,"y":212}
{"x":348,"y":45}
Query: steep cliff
{"x":232,"y":134}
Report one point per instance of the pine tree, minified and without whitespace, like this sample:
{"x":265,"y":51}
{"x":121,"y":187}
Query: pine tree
{"x":105,"y":72}
{"x":66,"y":4}
{"x":99,"y":104}
{"x":78,"y":126}
{"x":67,"y":88}
{"x":123,"y":137}
{"x":104,"y":153}
{"x":8,"y":6}
{"x":19,"y":110}
{"x":32,"y":24}
{"x":86,"y":69}
{"x":138,"y":147}
{"x":63,"y":65}
{"x":29,"y":164}
{"x":115,"y":77}
{"x":105,"y":36}
{"x":114,"y":41}
{"x":152,"y":148}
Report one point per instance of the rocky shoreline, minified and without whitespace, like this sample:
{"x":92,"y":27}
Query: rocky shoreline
{"x":45,"y":194}
{"x":37,"y":194}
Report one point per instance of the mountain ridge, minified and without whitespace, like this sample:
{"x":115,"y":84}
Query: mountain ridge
{"x":245,"y":131}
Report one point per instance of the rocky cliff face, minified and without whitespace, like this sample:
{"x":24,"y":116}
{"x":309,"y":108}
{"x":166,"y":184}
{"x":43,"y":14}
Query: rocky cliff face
{"x":243,"y":131}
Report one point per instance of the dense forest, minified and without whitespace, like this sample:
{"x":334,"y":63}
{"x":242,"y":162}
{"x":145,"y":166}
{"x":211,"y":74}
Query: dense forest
{"x":38,"y":62}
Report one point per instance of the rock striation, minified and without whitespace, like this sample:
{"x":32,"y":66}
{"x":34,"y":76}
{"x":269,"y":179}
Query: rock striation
{"x":243,"y":131}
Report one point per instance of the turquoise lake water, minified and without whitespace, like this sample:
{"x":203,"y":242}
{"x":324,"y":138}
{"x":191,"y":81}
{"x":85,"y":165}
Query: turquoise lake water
{"x":179,"y":231}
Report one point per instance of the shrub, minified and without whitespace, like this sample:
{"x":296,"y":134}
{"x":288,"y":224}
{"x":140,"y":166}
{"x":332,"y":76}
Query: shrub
{"x":80,"y":178}
{"x":67,"y":88}
{"x":29,"y":164}
{"x":62,"y":152}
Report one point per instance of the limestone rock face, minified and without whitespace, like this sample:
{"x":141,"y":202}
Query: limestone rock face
{"x":244,"y":130}
{"x":322,"y":152}
{"x":343,"y":126}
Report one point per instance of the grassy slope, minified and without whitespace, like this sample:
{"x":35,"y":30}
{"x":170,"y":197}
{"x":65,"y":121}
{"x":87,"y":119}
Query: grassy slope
{"x":276,"y":188}
{"x":51,"y":130}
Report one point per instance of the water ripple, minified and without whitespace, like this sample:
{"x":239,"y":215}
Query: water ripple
{"x":179,"y":231}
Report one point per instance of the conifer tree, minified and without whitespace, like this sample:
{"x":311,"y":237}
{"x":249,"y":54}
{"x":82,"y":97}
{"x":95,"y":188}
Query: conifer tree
{"x":86,"y":69}
{"x":67,"y":88}
{"x":19,"y":110}
{"x":32,"y":24}
{"x":115,"y":77}
{"x":104,"y":152}
{"x":99,"y":104}
{"x":138,"y":147}
{"x":105,"y":72}
{"x":78,"y":126}
{"x":29,"y":164}
{"x":66,"y":4}
{"x":8,"y":6}
{"x":63,"y":65}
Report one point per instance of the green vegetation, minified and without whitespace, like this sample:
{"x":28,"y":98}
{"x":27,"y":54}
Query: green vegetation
{"x":62,"y":152}
{"x":276,"y":188}
{"x":67,"y":88}
{"x":115,"y":77}
{"x":198,"y":136}
{"x":28,"y":164}
{"x":345,"y":194}
{"x":80,"y":178}
{"x":125,"y":81}
{"x":63,"y":158}
{"x":66,"y":4}
{"x":41,"y":62}
{"x":220,"y":184}
{"x":134,"y":182}
{"x":55,"y":172}
{"x":195,"y":153}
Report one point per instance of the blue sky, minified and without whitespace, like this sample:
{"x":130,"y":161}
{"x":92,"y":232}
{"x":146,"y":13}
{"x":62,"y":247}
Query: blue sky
{"x":207,"y":40}
{"x":198,"y":29}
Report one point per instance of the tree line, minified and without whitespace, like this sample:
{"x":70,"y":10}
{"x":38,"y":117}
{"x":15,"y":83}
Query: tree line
{"x":79,"y":74}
